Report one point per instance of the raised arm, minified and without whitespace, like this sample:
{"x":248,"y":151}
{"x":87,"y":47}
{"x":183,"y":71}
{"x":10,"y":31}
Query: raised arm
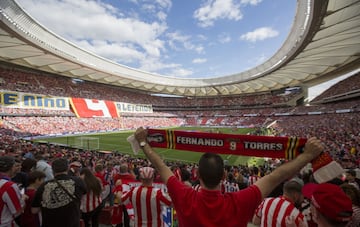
{"x":154,"y":158}
{"x":268,"y":183}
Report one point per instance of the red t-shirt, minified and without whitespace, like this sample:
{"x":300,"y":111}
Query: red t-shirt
{"x":28,"y":218}
{"x":212,"y":208}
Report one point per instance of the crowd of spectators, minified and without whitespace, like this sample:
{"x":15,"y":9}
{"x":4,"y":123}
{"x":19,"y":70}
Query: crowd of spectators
{"x":336,"y":123}
{"x":35,"y":82}
{"x":111,"y":163}
{"x":342,"y":87}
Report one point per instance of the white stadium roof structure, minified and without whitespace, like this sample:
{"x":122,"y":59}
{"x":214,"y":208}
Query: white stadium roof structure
{"x":324,"y":43}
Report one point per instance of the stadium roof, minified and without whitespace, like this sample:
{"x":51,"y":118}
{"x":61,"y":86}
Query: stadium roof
{"x":323,"y":43}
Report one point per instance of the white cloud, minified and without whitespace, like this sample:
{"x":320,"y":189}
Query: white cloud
{"x":176,"y":38}
{"x":153,"y":65}
{"x":161,"y":16}
{"x":259,"y":34}
{"x":217,"y":9}
{"x":170,"y":69}
{"x":166,"y":4}
{"x":199,"y":60}
{"x":251,"y":2}
{"x":202,"y":37}
{"x":180,"y":72}
{"x":149,"y":7}
{"x":199,"y":49}
{"x":176,"y":41}
{"x":115,"y":51}
{"x":224,"y":38}
{"x":152,"y":5}
{"x":108,"y":32}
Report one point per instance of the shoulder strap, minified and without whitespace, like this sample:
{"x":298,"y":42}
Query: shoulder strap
{"x":64,"y":189}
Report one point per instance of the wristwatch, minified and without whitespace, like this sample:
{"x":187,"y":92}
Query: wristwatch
{"x":143,"y":143}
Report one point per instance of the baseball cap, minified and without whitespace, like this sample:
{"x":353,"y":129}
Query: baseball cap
{"x":146,"y":173}
{"x":308,"y":189}
{"x":330,"y":200}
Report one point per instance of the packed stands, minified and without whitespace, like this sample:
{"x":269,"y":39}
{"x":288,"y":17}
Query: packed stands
{"x":342,"y":90}
{"x":336,"y":121}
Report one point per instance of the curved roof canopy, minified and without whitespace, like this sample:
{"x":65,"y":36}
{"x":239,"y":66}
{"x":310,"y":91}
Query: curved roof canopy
{"x":322,"y":44}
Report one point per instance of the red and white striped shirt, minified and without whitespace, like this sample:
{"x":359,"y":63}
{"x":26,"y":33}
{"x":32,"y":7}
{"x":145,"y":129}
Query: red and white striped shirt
{"x":274,"y":211}
{"x":10,"y":202}
{"x":89,"y":202}
{"x":147,"y":203}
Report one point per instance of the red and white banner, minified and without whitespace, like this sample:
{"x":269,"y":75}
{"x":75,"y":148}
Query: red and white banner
{"x":93,"y":108}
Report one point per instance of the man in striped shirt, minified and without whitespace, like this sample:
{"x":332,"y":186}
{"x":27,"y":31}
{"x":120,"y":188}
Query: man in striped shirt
{"x":282,"y":211}
{"x":147,"y":200}
{"x":11,"y":201}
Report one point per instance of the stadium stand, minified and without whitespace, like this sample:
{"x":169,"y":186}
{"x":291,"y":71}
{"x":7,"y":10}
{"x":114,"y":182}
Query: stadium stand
{"x":246,"y":111}
{"x":336,"y":122}
{"x":343,"y":90}
{"x":334,"y":116}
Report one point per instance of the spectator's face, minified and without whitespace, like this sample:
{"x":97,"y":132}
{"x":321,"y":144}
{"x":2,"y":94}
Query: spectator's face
{"x":16,"y":167}
{"x":38,"y":182}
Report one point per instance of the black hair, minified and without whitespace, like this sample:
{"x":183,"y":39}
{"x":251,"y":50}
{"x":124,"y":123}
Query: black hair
{"x":185,"y":174}
{"x":60,"y":165}
{"x":28,"y":164}
{"x":6,"y":163}
{"x":34,"y":175}
{"x":211,"y":169}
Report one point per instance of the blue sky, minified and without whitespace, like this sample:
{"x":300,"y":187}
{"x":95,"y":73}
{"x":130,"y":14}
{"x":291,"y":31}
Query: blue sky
{"x":177,"y":38}
{"x":181,"y":38}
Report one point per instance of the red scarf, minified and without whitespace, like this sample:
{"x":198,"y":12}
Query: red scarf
{"x":246,"y":145}
{"x":324,"y":167}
